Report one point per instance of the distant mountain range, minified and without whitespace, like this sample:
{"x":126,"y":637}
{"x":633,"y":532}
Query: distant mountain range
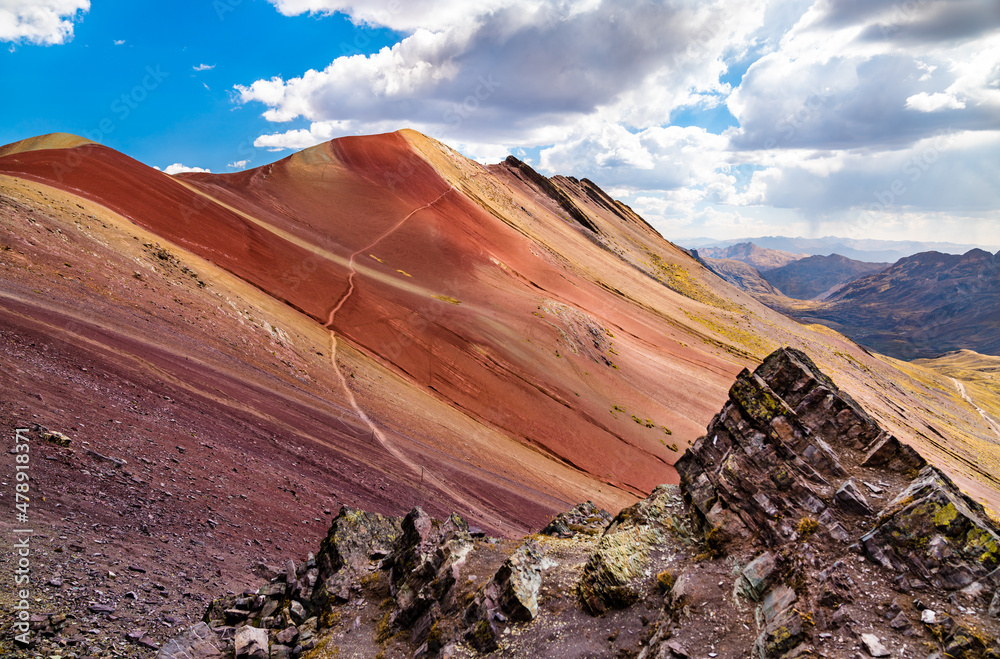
{"x":818,"y":277}
{"x":859,"y":249}
{"x":759,"y":257}
{"x":762,"y":271}
{"x":921,"y":306}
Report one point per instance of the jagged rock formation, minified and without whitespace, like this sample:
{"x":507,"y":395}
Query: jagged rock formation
{"x":423,"y":570}
{"x":511,"y":594}
{"x":800,"y":529}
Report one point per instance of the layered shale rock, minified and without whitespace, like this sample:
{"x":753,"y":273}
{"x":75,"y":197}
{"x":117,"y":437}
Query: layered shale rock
{"x":800,"y":529}
{"x":935,"y":534}
{"x":424,"y":569}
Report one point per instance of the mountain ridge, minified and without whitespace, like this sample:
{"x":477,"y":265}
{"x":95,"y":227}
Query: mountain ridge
{"x":819,"y":277}
{"x":752,"y":254}
{"x":860,"y":249}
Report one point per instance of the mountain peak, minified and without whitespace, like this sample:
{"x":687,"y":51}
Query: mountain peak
{"x":44,"y":142}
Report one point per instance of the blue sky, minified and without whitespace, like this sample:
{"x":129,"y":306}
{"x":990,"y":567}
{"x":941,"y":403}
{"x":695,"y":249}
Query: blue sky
{"x":189,"y":116}
{"x":723,"y":118}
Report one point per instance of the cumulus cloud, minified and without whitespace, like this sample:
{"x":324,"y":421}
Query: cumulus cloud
{"x":838,"y":99}
{"x":513,"y":70}
{"x":178,"y":168}
{"x":833,"y":83}
{"x":40,"y":22}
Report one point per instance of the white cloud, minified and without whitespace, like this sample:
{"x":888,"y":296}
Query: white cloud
{"x":239,"y":164}
{"x":178,"y":168}
{"x":838,"y":100}
{"x":204,"y":67}
{"x":851,"y":74}
{"x":924,"y":102}
{"x":515,"y":70}
{"x":402,"y":15}
{"x":484,"y":154}
{"x":41,"y":22}
{"x":119,"y":42}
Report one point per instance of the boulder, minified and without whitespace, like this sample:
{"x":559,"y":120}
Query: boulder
{"x":776,"y":602}
{"x":783,"y":633}
{"x":873,"y":645}
{"x":511,"y":594}
{"x":251,"y":643}
{"x":757,"y":576}
{"x":619,"y":570}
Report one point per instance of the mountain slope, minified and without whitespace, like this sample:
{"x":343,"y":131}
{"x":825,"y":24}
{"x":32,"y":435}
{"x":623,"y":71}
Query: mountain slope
{"x":977,"y":379}
{"x":378,"y":322}
{"x":817,"y":277}
{"x":921,"y":306}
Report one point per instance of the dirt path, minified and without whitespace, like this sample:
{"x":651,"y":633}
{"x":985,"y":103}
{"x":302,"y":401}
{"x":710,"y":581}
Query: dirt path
{"x":989,"y":420}
{"x":418,"y":470}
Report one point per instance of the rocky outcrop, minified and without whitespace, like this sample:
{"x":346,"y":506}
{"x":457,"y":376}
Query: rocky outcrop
{"x":800,"y":528}
{"x":583,"y":518}
{"x":510,"y":595}
{"x":768,"y":459}
{"x":251,"y":643}
{"x":636,"y":542}
{"x":423,"y":570}
{"x":356,"y":539}
{"x":935,"y":534}
{"x":794,"y":467}
{"x":298,"y":602}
